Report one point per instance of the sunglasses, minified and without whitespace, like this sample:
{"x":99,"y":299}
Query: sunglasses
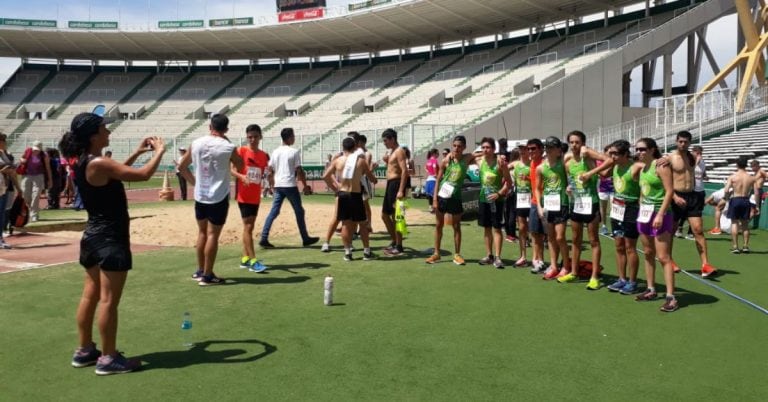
{"x":641,"y":149}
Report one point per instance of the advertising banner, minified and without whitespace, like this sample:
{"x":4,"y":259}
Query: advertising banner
{"x":180,"y":24}
{"x":93,"y":24}
{"x":299,"y":15}
{"x":17,"y":22}
{"x":228,"y":22}
{"x":290,"y":5}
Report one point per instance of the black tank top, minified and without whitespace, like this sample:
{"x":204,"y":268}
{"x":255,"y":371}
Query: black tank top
{"x":107,"y":206}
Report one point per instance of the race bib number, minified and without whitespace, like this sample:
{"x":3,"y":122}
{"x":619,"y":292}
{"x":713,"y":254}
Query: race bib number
{"x":646,"y":210}
{"x":254,"y":174}
{"x":523,"y":200}
{"x":446,"y":190}
{"x":582,"y":205}
{"x":617,"y":210}
{"x":552,"y":202}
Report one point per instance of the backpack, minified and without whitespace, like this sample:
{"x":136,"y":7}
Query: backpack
{"x":585,"y":269}
{"x":18,"y":215}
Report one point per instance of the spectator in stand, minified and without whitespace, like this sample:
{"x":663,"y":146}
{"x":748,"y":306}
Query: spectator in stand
{"x":36,"y":171}
{"x":57,"y":172}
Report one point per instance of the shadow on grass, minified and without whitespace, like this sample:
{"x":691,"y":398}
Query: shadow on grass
{"x":266,"y":280}
{"x":687,"y":298}
{"x":291,"y":267}
{"x":199,"y":354}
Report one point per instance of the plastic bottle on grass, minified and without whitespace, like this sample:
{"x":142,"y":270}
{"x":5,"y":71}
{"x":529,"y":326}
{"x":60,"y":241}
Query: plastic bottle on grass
{"x":186,"y":330}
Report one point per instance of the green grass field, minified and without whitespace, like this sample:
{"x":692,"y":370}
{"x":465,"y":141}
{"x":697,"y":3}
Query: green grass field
{"x":400,"y":330}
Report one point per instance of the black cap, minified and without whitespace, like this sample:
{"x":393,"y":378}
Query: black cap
{"x":87,"y":124}
{"x":552,"y":142}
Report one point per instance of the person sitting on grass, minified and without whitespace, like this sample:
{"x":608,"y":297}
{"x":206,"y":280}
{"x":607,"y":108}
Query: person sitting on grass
{"x":739,"y":208}
{"x":105,"y":249}
{"x":717,"y":200}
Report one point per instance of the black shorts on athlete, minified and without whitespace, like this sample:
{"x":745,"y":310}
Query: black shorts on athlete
{"x":350,"y":207}
{"x":390,"y":197}
{"x":248,"y":210}
{"x":488,"y":218}
{"x":557,"y":217}
{"x":586,"y":218}
{"x":449,"y":206}
{"x":628,"y":226}
{"x":694,"y":205}
{"x":214,"y":213}
{"x":108,"y":255}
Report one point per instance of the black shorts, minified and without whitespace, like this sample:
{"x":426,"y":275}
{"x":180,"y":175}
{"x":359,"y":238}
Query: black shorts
{"x":523,"y":212}
{"x":390,"y":197}
{"x":739,"y":209}
{"x":214,"y":213}
{"x":109,"y":256}
{"x":586,"y":218}
{"x":449,"y":206}
{"x":350,"y":207}
{"x":628,"y":227}
{"x":557,"y":217}
{"x":694,"y":205}
{"x":535,"y":225}
{"x":248,"y":210}
{"x":487,"y":218}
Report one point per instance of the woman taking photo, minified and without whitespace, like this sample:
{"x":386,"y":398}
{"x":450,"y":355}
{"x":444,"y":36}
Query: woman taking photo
{"x":105,"y":250}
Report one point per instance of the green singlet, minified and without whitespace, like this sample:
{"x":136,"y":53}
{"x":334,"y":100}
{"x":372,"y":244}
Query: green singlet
{"x":626,"y":188}
{"x":455,"y":173}
{"x":522,"y":177}
{"x":490,"y":178}
{"x":555,"y":180}
{"x":580,"y":189}
{"x":651,"y":187}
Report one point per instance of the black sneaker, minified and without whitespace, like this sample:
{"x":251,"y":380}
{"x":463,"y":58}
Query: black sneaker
{"x":266,"y":244}
{"x":107,"y":365}
{"x":85,"y":357}
{"x":348,"y":257}
{"x":368,"y":256}
{"x":310,"y":241}
{"x":211,"y":280}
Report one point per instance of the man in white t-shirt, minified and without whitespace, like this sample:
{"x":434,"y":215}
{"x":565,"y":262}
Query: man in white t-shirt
{"x":211,"y":156}
{"x":284,"y":171}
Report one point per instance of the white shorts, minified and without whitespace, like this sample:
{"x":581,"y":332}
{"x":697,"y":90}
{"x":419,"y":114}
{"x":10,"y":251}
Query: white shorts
{"x":604,"y":196}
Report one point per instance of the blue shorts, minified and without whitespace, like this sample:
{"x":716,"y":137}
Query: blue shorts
{"x":534,"y":222}
{"x":739,"y":209}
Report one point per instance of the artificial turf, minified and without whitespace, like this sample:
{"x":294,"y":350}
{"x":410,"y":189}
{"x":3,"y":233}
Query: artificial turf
{"x":399,"y":330}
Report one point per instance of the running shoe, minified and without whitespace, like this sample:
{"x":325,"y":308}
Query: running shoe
{"x":689,"y":237}
{"x":679,"y":234}
{"x":498,"y":264}
{"x":745,"y":250}
{"x":568,"y":277}
{"x":348,"y":257}
{"x":563,"y":272}
{"x":648,"y":295}
{"x":393,"y":252}
{"x":715,"y":231}
{"x":511,"y":239}
{"x":604,"y":230}
{"x":735,"y":250}
{"x":458,"y":259}
{"x":675,"y":268}
{"x":326,"y":248}
{"x":670,"y":304}
{"x":118,"y":364}
{"x":629,"y":289}
{"x":198,"y":275}
{"x":85,"y":357}
{"x":210,"y":280}
{"x":367,"y":256}
{"x":266,"y":244}
{"x":310,"y":241}
{"x":617,"y":286}
{"x":550,"y":274}
{"x":594,"y":284}
{"x":708,"y":270}
{"x":256,"y":266}
{"x":487,"y":260}
{"x":432,"y":259}
{"x":245,"y":262}
{"x":538,"y":267}
{"x":521,"y":262}
{"x":4,"y":245}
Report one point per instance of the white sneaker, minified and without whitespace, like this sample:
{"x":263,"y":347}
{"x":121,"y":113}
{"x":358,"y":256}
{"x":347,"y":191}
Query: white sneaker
{"x":5,"y":246}
{"x":326,"y":248}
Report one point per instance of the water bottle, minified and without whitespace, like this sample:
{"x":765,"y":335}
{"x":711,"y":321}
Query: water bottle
{"x":488,"y":192}
{"x":328,"y":291}
{"x":186,"y":330}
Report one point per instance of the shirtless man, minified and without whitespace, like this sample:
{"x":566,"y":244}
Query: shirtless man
{"x":351,"y":167}
{"x":397,"y":177}
{"x":686,"y":205}
{"x":761,"y":176}
{"x":739,"y":207}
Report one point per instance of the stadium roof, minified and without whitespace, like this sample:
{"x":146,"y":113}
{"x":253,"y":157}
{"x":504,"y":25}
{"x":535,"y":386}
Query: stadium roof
{"x":399,"y":25}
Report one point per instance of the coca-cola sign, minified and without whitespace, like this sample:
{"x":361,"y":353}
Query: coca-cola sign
{"x":299,"y":15}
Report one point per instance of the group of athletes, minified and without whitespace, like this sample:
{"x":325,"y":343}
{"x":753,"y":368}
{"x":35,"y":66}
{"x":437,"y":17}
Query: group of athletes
{"x":552,"y":182}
